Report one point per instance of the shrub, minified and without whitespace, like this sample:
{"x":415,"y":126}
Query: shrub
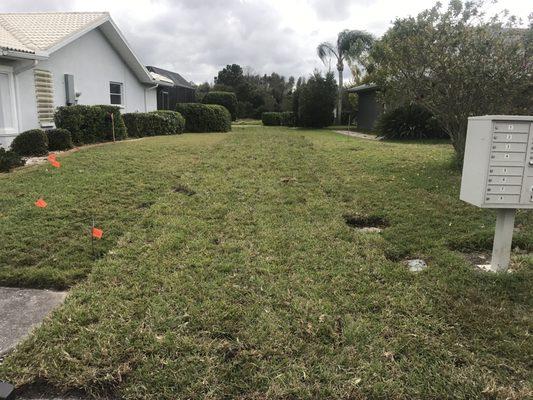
{"x":105,"y":111}
{"x":31,"y":143}
{"x":205,"y":117}
{"x":90,"y":124}
{"x":285,"y":118}
{"x":154,"y":123}
{"x":9,"y":160}
{"x":410,"y":121}
{"x":175,"y":121}
{"x":59,"y":139}
{"x":135,"y":124}
{"x":75,"y":119}
{"x":316,"y":101}
{"x":271,"y":118}
{"x":226,"y":99}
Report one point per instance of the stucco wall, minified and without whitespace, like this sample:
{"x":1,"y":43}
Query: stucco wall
{"x":94,"y":63}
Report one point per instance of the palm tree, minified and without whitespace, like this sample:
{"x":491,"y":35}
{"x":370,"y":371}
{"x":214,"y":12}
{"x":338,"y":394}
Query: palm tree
{"x":350,"y":47}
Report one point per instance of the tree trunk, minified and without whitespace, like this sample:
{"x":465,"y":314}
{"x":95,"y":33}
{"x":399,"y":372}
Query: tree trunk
{"x":457,"y":132}
{"x":338,"y":120}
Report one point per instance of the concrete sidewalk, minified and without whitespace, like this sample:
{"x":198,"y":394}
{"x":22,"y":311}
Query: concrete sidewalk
{"x":359,"y":135}
{"x":21,"y":310}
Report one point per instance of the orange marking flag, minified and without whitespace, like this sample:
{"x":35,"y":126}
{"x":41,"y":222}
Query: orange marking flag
{"x":55,"y":163}
{"x":41,"y":203}
{"x":51,"y":157}
{"x":97,"y":233}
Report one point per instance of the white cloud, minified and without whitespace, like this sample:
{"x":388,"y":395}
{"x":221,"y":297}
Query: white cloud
{"x":198,"y":37}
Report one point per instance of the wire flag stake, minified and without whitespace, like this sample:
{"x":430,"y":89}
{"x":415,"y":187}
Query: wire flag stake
{"x":41,"y":203}
{"x":96,"y":233}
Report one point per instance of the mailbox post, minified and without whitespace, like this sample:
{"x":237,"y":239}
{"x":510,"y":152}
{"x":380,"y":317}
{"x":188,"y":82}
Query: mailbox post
{"x":498,"y":173}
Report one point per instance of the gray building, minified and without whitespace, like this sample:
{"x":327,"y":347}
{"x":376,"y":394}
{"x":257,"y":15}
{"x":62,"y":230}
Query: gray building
{"x":369,"y":107}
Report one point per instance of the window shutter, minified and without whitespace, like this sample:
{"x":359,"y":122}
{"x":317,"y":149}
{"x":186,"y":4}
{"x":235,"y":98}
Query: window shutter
{"x":44,"y":93}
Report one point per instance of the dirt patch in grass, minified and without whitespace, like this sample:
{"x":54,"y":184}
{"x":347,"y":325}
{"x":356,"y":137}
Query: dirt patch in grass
{"x":520,"y":259}
{"x":358,"y":221}
{"x":42,"y":390}
{"x":145,"y":204}
{"x":184,"y":190}
{"x":477,"y":258}
{"x":31,"y":161}
{"x":288,"y":179}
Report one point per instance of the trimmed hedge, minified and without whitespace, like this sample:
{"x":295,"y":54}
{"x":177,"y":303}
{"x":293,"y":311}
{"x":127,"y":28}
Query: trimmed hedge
{"x":91,"y":124}
{"x":176,"y":122}
{"x":285,"y":118}
{"x":271,"y":118}
{"x":9,"y":160}
{"x":205,"y":117}
{"x":154,"y":123}
{"x":140,"y":124}
{"x":135,"y":124}
{"x":410,"y":122}
{"x":31,"y":143}
{"x":226,"y":99}
{"x":59,"y":139}
{"x":120,"y":128}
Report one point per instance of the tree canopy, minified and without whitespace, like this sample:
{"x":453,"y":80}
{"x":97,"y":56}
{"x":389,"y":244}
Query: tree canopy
{"x":316,"y":100}
{"x":255,"y":93}
{"x":350,"y":47}
{"x":457,"y":63}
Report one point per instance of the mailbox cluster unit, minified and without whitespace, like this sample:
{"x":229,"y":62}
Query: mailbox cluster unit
{"x":498,"y":163}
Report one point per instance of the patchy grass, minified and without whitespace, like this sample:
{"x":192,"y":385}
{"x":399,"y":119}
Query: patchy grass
{"x":113,"y":184}
{"x":255,"y":286}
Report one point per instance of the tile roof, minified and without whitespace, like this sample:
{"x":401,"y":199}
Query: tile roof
{"x":174,"y":76}
{"x":10,"y":42}
{"x":31,"y":32}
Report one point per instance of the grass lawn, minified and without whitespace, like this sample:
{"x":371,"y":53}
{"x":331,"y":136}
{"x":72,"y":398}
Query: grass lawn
{"x":228,"y":271}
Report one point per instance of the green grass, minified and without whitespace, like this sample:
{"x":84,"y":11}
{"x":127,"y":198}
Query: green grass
{"x":254,"y":287}
{"x":112,"y":184}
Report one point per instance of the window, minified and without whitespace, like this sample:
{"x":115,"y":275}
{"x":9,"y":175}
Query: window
{"x":115,"y":90}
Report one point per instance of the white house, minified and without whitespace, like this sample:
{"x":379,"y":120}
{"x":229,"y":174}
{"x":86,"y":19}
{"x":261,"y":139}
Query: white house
{"x":49,"y":60}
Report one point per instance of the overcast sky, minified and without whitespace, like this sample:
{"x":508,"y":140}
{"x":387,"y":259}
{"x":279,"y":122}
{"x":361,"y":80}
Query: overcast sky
{"x":198,"y":37}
